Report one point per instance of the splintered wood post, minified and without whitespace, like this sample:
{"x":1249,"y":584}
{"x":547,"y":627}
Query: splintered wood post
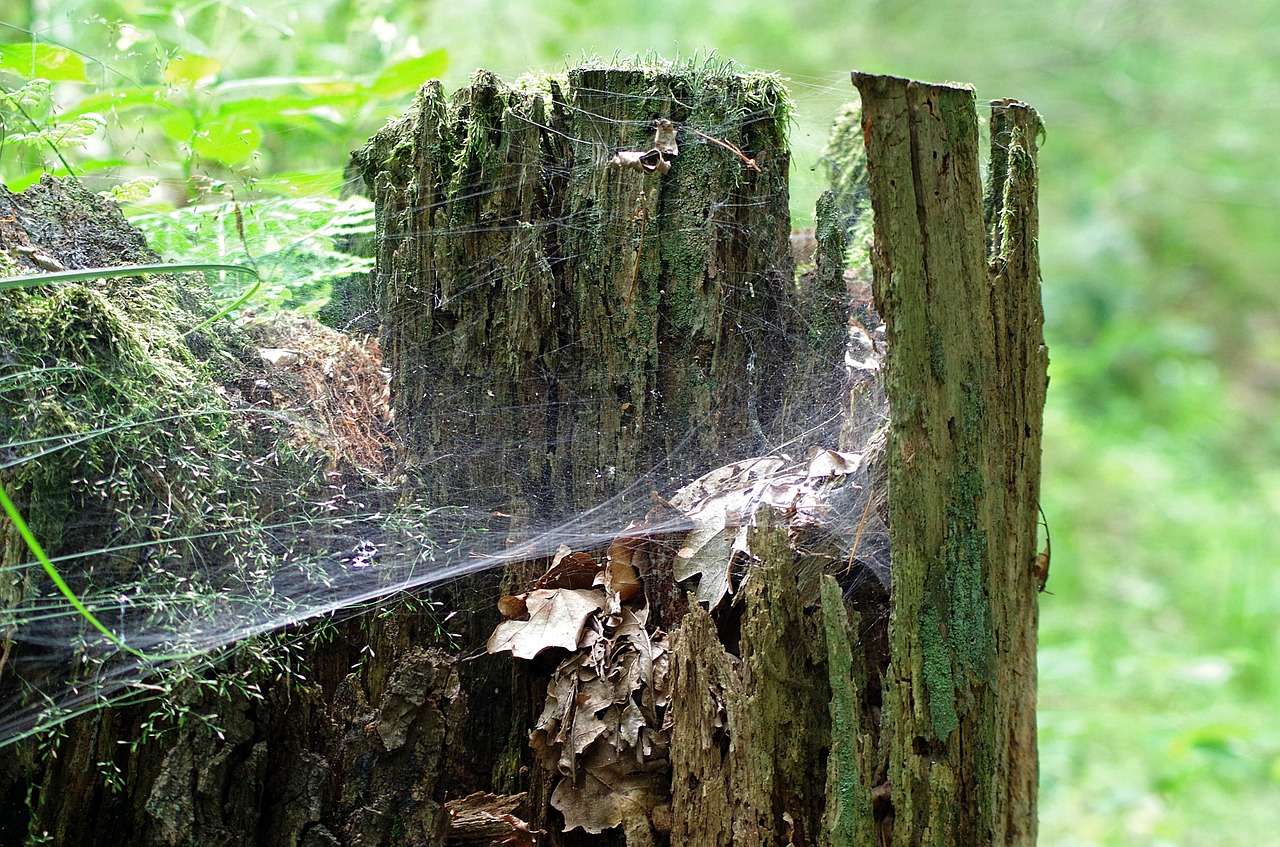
{"x":966,"y":381}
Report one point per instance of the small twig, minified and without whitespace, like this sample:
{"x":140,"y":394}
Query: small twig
{"x":731,"y":147}
{"x":243,"y":241}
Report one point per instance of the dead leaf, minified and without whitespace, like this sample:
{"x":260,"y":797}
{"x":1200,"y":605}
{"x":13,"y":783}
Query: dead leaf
{"x":833,"y":463}
{"x":556,"y":619}
{"x":602,"y":798}
{"x":729,"y":478}
{"x":570,"y":570}
{"x":513,"y":606}
{"x":279,"y":357}
{"x":620,"y":574}
{"x":709,"y":559}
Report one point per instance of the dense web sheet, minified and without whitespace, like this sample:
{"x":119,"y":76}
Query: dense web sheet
{"x":196,"y":489}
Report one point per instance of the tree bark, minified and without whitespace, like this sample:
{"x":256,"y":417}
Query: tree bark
{"x":966,"y":380}
{"x":558,"y":328}
{"x":565,"y":335}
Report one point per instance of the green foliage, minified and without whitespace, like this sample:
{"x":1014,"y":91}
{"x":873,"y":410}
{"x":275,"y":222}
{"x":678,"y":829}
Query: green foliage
{"x":293,"y":242}
{"x":197,"y":89}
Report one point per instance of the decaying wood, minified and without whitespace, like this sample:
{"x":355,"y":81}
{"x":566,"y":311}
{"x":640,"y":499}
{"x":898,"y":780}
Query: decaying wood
{"x":556,"y":327}
{"x":966,"y":380}
{"x":517,"y":273}
{"x":488,"y":820}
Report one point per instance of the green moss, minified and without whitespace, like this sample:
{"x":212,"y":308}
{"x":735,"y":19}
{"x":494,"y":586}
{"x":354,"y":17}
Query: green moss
{"x":847,"y":819}
{"x":966,"y":550}
{"x":939,"y":680}
{"x":845,"y":159}
{"x":829,"y":316}
{"x":937,"y":355}
{"x":965,"y":556}
{"x":505,"y":776}
{"x":119,"y":440}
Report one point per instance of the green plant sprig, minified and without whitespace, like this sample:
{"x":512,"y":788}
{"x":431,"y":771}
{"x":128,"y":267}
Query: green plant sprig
{"x":29,"y":280}
{"x":38,"y":551}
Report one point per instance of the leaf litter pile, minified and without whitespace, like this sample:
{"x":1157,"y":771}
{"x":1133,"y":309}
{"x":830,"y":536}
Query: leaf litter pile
{"x":605,"y":728}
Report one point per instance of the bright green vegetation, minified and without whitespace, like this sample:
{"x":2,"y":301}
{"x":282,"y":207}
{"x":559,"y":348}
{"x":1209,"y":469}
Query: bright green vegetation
{"x":1160,"y":653}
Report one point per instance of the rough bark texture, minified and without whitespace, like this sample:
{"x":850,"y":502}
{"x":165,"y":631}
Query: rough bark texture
{"x":966,"y":384}
{"x":557,"y":328}
{"x":751,"y":730}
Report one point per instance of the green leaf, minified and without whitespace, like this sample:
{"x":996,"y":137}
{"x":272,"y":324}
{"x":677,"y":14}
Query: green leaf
{"x":44,"y":61}
{"x":405,"y":76}
{"x":332,"y":88}
{"x":293,"y":110}
{"x":191,"y":70}
{"x":303,"y":184}
{"x":119,"y":100}
{"x":226,"y":141}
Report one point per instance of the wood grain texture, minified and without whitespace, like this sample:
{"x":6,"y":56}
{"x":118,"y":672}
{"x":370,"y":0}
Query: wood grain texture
{"x":966,"y":380}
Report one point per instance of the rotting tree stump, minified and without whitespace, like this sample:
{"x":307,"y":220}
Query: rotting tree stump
{"x":570,"y":327}
{"x":966,"y":380}
{"x":580,"y":335}
{"x":616,"y":325}
{"x":587,"y":324}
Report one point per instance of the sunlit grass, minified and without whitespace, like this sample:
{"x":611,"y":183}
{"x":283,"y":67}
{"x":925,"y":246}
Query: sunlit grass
{"x":1159,"y":643}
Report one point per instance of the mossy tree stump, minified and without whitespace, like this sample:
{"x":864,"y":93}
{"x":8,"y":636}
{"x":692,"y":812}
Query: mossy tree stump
{"x":630,"y":310}
{"x":563,"y":334}
{"x":558,"y":327}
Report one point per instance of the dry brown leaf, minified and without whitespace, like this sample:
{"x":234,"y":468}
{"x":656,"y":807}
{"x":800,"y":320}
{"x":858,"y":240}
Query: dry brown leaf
{"x":621,"y":576}
{"x":556,"y":619}
{"x":833,"y":463}
{"x":513,"y":606}
{"x":602,"y":798}
{"x":570,"y":570}
{"x":708,"y":556}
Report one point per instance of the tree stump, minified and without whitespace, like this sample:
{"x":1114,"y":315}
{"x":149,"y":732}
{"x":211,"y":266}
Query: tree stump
{"x":558,"y":326}
{"x":586,"y":295}
{"x":966,"y":380}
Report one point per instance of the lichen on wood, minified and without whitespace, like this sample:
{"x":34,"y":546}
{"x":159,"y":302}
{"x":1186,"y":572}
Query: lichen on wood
{"x":965,"y":377}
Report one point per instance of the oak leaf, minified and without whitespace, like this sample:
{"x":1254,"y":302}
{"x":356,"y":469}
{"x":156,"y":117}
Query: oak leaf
{"x":557,"y":618}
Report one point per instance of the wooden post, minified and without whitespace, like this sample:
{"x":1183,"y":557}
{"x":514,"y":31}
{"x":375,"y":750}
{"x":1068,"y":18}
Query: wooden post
{"x":966,"y":380}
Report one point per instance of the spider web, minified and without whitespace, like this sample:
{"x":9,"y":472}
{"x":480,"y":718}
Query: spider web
{"x":205,"y":492}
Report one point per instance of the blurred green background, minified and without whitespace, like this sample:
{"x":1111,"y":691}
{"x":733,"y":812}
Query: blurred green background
{"x":1160,"y":657}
